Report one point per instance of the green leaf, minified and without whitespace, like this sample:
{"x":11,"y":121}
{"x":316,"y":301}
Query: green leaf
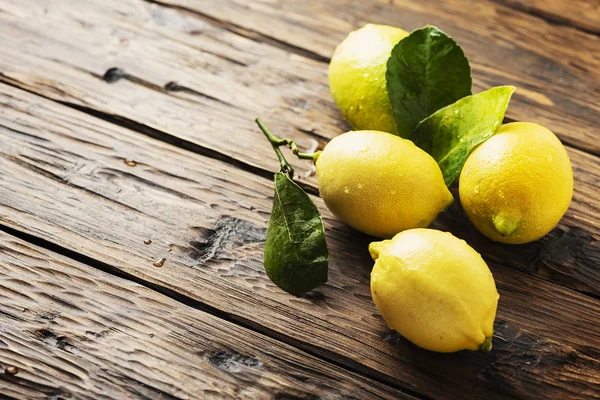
{"x":451,"y":133}
{"x":426,"y":71}
{"x":296,"y":254}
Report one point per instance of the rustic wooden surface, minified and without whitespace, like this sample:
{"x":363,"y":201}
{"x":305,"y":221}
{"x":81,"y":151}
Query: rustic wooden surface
{"x":89,"y":87}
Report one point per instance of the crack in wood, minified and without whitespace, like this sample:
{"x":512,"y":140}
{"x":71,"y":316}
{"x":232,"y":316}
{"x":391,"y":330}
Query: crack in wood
{"x":50,"y":392}
{"x":48,"y":336}
{"x":115,"y":74}
{"x":65,"y":181}
{"x":549,"y":17}
{"x":175,"y":87}
{"x":247,"y":33}
{"x":163,"y":137}
{"x":525,"y":354}
{"x":140,"y":389}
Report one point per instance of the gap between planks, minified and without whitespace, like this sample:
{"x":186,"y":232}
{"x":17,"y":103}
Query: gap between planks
{"x":524,"y":96}
{"x":551,"y":18}
{"x":165,"y":137}
{"x":251,"y":34}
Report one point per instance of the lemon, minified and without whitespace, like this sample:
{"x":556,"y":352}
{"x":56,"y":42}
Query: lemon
{"x":516,"y":186}
{"x":435,"y":290}
{"x":380,"y":184}
{"x":357,"y":77}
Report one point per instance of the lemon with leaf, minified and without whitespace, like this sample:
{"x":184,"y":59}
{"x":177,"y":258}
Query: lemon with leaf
{"x":357,"y":77}
{"x":380,"y":184}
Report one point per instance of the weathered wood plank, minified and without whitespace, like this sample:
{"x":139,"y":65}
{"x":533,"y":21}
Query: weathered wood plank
{"x":76,"y":332}
{"x":192,"y":39}
{"x":223,"y":80}
{"x":291,"y":91}
{"x":581,"y":14}
{"x":63,"y":179}
{"x":556,"y":68}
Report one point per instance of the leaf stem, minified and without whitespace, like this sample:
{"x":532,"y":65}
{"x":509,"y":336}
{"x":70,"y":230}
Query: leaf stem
{"x":303,"y":156}
{"x":276,"y":142}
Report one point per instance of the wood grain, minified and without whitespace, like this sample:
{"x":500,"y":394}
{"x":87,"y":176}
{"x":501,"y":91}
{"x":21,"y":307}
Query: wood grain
{"x":204,"y":56}
{"x":76,"y":332}
{"x":205,"y":88}
{"x":64,"y":179}
{"x":580,"y":14}
{"x":555,"y":68}
{"x":211,"y":111}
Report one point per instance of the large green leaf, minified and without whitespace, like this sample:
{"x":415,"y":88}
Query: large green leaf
{"x":296,"y":255}
{"x":426,"y":71}
{"x":451,"y":133}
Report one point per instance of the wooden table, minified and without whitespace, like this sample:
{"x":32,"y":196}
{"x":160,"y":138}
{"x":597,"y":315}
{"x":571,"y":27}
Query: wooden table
{"x":127,"y":136}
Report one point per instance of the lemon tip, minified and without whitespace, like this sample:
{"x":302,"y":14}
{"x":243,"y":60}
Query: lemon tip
{"x":486,"y":345}
{"x":503,"y":225}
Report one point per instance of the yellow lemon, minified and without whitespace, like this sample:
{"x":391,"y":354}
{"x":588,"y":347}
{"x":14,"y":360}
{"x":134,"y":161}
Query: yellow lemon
{"x":357,"y":77}
{"x":434,"y":290}
{"x":516,"y":186}
{"x":380,"y":184}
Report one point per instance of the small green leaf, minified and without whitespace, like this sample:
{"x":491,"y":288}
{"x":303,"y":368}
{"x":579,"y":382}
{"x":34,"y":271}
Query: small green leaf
{"x":451,"y":133}
{"x":426,"y":71}
{"x":296,"y":254}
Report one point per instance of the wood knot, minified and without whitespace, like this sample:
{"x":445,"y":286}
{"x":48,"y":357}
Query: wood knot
{"x":50,"y":316}
{"x":233,"y":361}
{"x":159,"y":263}
{"x":48,"y":336}
{"x":173,"y":87}
{"x":394,"y":338}
{"x":113,"y":75}
{"x":11,"y":370}
{"x":228,"y":234}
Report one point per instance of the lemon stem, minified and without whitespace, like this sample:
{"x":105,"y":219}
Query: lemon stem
{"x":277,"y":142}
{"x":487,"y":345}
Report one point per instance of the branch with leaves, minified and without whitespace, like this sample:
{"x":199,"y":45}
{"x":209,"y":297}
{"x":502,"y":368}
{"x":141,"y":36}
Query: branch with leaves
{"x":296,"y":254}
